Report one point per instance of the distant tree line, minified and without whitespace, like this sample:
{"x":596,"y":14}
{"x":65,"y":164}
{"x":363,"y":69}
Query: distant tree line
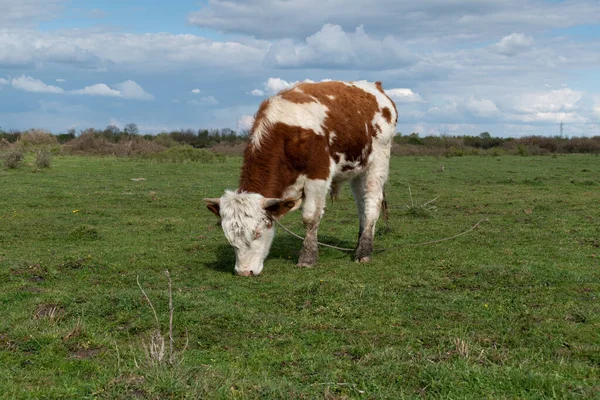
{"x":411,"y":144}
{"x":202,"y":138}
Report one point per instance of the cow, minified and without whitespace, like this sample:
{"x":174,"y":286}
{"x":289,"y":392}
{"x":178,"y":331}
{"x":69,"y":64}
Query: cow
{"x":306,"y":141}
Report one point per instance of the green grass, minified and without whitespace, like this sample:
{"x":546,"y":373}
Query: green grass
{"x":510,"y":310}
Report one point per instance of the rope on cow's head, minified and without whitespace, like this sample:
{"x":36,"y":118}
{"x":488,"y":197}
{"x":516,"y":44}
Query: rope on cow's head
{"x":387,"y":248}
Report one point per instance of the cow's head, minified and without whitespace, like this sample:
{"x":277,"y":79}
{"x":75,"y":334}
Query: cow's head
{"x":247,"y":221}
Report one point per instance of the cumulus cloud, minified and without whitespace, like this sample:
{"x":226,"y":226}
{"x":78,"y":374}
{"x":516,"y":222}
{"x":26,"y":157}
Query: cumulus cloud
{"x":275,"y":85}
{"x":403,"y":95}
{"x":29,"y":84}
{"x":131,"y":90}
{"x":4,"y":81}
{"x":204,"y":101}
{"x":127,"y":90}
{"x":150,"y":51}
{"x":26,"y":48}
{"x":331,"y":47}
{"x":245,"y":123}
{"x":431,"y":20}
{"x":99,"y":89}
{"x":481,"y":108}
{"x":196,"y":91}
{"x":513,"y":44}
{"x":553,"y":101}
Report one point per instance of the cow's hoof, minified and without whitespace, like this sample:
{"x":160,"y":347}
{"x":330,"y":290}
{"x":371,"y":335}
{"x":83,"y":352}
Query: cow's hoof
{"x":304,"y":265}
{"x":363,"y":259}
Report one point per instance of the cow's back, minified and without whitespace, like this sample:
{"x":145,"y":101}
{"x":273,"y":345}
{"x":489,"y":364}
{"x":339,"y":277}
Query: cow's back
{"x":306,"y":129}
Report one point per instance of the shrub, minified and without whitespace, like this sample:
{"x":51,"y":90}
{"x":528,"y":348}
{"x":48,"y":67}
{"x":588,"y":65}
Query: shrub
{"x":13,"y":158}
{"x":185,"y":153}
{"x":90,"y":144}
{"x":43,"y":158}
{"x":35,"y":137}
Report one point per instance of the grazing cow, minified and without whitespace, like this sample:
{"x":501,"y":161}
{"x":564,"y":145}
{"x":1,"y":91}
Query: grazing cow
{"x":304,"y":142}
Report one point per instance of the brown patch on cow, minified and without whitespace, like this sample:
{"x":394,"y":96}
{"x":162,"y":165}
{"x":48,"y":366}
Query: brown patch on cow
{"x":349,"y":116}
{"x":287,"y":151}
{"x":297,"y":96}
{"x":380,"y":88}
{"x":387,"y":114}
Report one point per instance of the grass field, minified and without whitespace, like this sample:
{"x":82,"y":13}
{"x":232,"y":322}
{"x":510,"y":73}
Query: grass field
{"x":511,"y":310}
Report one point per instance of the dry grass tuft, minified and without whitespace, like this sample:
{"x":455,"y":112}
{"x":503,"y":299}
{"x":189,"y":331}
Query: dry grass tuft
{"x":43,"y":158}
{"x":13,"y":158}
{"x":53,"y":312}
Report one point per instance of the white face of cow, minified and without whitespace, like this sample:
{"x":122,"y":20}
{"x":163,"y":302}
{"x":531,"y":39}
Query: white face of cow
{"x":247,"y":221}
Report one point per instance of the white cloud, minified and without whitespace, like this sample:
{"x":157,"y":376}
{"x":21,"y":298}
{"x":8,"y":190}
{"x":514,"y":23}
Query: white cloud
{"x":99,"y":89}
{"x":27,"y":48}
{"x":245,"y":123}
{"x":131,"y":90}
{"x":481,"y":108}
{"x":513,"y":44}
{"x":127,"y":90}
{"x":195,"y":91}
{"x":430,"y":20}
{"x":275,"y":85}
{"x":150,"y":51}
{"x":61,"y":80}
{"x":4,"y":81}
{"x":403,"y":95}
{"x":596,"y":107}
{"x":20,"y":13}
{"x":30,"y":84}
{"x":552,"y":117}
{"x":204,"y":101}
{"x":559,"y":100}
{"x":331,"y":47}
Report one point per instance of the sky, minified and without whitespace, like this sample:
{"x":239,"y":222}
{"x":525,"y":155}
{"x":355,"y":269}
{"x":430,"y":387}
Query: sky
{"x":453,"y":67}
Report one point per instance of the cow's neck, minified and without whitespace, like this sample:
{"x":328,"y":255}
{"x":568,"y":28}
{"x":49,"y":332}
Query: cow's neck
{"x":266,"y":172}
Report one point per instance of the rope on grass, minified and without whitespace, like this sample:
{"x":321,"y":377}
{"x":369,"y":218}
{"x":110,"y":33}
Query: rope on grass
{"x":389,"y":248}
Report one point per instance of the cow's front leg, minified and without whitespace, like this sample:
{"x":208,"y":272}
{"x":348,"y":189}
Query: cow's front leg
{"x":315,"y":194}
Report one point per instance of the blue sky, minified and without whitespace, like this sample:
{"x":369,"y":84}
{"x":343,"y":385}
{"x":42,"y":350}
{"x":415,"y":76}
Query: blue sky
{"x":509,"y":67}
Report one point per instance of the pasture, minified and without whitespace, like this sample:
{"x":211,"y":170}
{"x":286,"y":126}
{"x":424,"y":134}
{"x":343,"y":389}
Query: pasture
{"x":510,"y":310}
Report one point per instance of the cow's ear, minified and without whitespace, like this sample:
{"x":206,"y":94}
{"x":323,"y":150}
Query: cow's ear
{"x":278,"y":207}
{"x":214,"y":205}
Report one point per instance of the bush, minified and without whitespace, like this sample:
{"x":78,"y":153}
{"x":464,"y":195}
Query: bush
{"x":13,"y":158}
{"x":43,"y":158}
{"x":35,"y":137}
{"x":185,"y":153}
{"x":90,"y":144}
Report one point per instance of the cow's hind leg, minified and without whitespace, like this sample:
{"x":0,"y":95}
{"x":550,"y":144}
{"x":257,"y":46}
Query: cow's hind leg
{"x":315,"y":196}
{"x":371,"y":185}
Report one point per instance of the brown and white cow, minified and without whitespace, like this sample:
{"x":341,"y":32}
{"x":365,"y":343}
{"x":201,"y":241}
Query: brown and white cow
{"x":304,"y":141}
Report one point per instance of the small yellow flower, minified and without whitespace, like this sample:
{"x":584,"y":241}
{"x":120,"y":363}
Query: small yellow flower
{"x":75,"y":211}
{"x":485,"y":305}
